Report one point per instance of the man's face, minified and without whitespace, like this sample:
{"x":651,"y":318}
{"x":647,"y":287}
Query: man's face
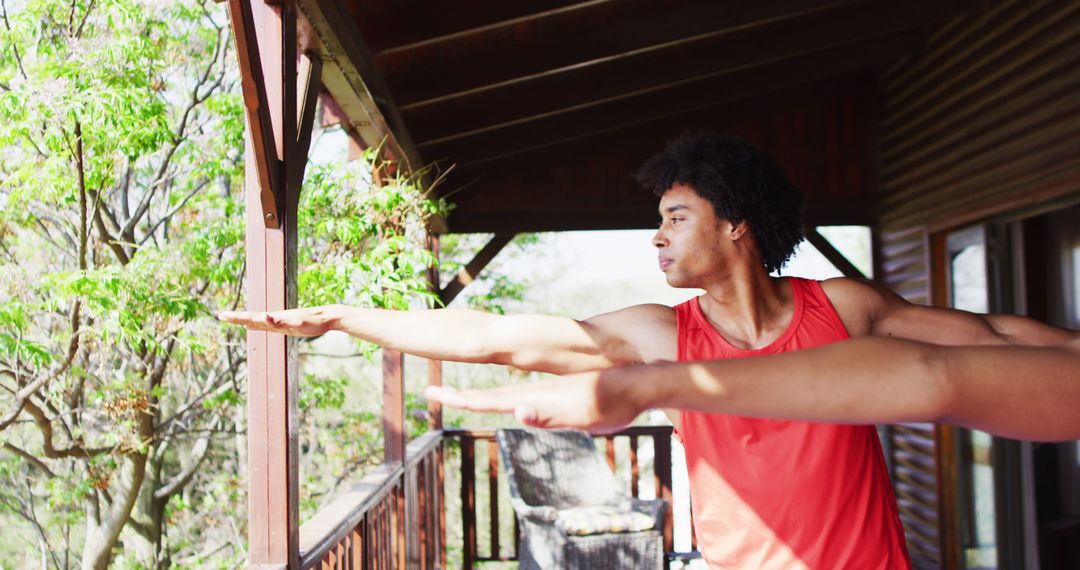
{"x":692,"y":241}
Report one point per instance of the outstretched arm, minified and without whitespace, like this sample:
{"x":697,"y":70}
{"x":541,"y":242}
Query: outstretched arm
{"x":530,"y":342}
{"x":871,"y":308}
{"x":1020,"y":392}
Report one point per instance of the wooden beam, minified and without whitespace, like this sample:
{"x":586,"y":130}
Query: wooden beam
{"x":489,"y":145}
{"x":668,"y":65}
{"x":353,"y":80}
{"x":264,"y":147}
{"x":820,"y":211}
{"x":835,"y":256}
{"x":574,"y":37}
{"x":474,"y":267}
{"x":408,"y":23}
{"x":308,"y":85}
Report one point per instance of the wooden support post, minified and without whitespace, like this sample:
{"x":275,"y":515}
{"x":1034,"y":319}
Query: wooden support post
{"x":394,"y":446}
{"x":435,"y":414}
{"x":277,"y":138}
{"x":474,"y":267}
{"x":435,"y":419}
{"x":833,"y":255}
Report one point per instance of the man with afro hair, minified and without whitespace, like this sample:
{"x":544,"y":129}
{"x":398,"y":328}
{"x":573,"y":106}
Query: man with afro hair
{"x":766,"y":492}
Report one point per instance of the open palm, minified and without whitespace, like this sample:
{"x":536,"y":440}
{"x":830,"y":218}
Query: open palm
{"x":312,"y":321}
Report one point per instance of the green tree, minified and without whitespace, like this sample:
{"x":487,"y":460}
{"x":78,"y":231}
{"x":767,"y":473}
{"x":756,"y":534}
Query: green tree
{"x":121,"y":234}
{"x":121,"y":150}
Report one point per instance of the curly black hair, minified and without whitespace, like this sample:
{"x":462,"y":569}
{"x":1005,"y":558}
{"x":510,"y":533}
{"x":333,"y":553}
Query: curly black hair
{"x":741,"y":182}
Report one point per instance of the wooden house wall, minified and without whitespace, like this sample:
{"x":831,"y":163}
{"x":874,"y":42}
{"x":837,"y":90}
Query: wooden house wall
{"x":985,"y":120}
{"x":904,"y":264}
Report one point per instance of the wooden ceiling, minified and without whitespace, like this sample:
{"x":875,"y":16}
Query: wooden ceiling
{"x":546,"y":108}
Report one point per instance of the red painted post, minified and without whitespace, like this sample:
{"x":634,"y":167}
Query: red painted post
{"x":435,"y":412}
{"x":393,"y":406}
{"x":394,"y":445}
{"x":266,"y":37}
{"x":468,"y":501}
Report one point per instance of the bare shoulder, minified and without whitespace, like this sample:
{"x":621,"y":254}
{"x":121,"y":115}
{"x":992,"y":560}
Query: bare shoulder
{"x":858,"y":302}
{"x":649,"y":328}
{"x":646,"y":316}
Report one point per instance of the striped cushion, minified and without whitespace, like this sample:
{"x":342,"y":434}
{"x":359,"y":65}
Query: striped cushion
{"x":583,"y":521}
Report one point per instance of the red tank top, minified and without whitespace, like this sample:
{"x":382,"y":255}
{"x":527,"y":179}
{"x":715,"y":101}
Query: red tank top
{"x":786,"y":494}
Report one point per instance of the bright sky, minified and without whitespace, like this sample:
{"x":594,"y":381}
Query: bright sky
{"x":579,"y":274}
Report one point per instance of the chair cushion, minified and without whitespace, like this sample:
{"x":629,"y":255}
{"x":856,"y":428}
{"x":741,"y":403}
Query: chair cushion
{"x":583,"y":521}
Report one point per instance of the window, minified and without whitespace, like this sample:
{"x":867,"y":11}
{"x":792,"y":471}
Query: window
{"x":969,"y":291}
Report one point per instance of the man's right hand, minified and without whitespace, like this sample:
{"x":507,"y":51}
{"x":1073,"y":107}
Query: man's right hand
{"x":312,"y":321}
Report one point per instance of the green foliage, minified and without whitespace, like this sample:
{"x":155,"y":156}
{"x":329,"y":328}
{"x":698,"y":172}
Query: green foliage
{"x":121,"y":234}
{"x":362,"y":243}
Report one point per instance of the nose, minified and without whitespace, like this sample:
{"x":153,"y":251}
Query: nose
{"x":659,"y":240}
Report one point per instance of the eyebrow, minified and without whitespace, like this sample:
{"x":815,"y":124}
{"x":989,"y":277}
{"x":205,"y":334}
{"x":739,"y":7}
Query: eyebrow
{"x":675,"y":208}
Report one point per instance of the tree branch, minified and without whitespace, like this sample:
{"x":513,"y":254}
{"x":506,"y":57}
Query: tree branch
{"x":143,"y":530}
{"x":26,"y":512}
{"x":15,"y":48}
{"x":30,"y":459}
{"x":125,"y":198}
{"x":199,"y":453}
{"x":172,"y":212}
{"x":47,"y":235}
{"x":86,"y":16}
{"x":22,"y":397}
{"x":49,"y":449}
{"x":84,"y":234}
{"x":103,"y":233}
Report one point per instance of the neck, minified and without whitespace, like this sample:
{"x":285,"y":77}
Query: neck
{"x":748,"y":307}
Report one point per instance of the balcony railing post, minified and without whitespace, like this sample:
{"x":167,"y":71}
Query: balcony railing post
{"x":662,"y":445}
{"x":468,"y":501}
{"x":394,"y":444}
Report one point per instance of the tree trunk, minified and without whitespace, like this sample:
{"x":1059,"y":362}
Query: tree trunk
{"x":149,"y":515}
{"x":103,"y":536}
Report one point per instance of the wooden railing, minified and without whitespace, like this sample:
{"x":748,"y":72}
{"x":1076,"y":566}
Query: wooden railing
{"x":393,"y":518}
{"x":621,"y":458}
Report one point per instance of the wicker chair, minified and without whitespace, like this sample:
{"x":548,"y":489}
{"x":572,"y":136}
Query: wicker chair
{"x":570,"y":511}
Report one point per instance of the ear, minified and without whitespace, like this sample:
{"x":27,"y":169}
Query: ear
{"x":738,"y":230}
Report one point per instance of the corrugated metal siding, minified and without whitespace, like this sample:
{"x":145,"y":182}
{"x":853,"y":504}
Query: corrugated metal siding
{"x":986,"y":119}
{"x":905,"y":268}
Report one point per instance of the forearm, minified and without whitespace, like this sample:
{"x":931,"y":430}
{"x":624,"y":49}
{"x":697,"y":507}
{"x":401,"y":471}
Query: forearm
{"x":441,"y":334}
{"x":867,"y":381}
{"x":1019,"y":392}
{"x":529,"y":342}
{"x":1022,"y":331}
